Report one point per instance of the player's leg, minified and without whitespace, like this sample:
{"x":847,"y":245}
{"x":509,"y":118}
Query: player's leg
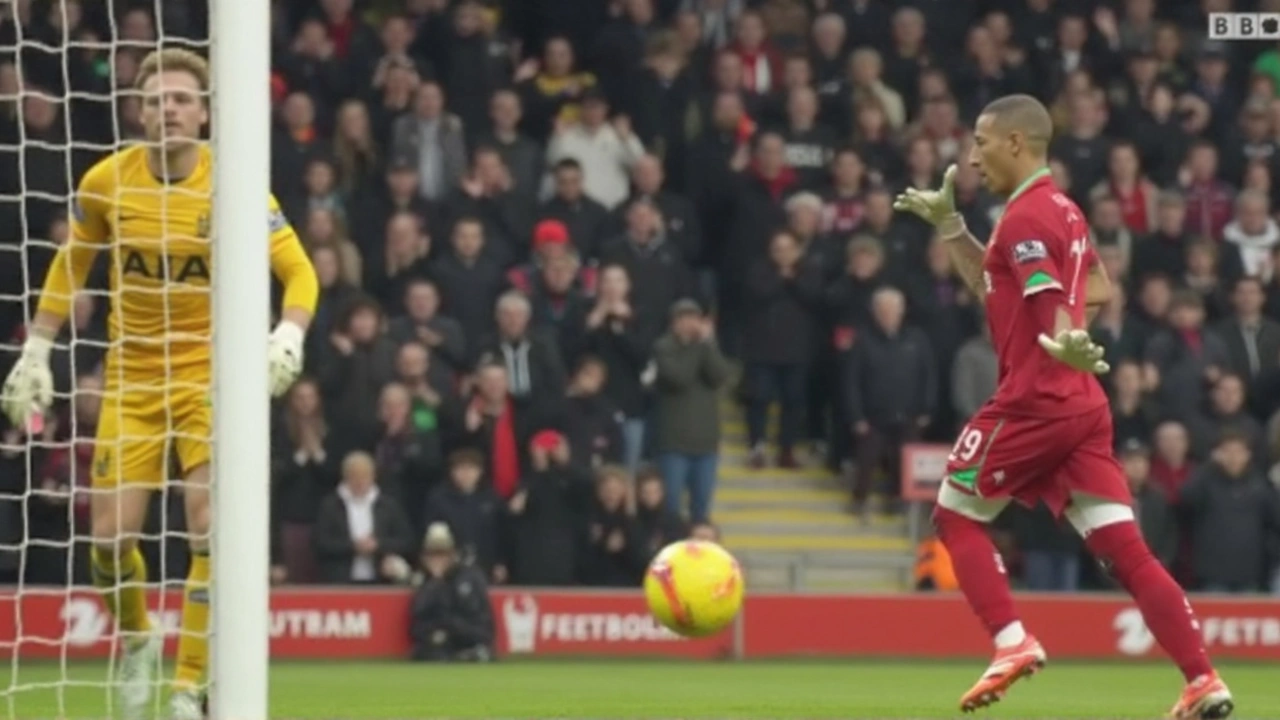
{"x":988,"y":463}
{"x":1100,"y":511}
{"x":192,"y":430}
{"x":127,"y":465}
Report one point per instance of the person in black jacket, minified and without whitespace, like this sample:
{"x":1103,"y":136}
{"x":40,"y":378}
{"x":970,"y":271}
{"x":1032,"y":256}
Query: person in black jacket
{"x":1233,"y":514}
{"x":451,"y":619}
{"x":658,"y":525}
{"x":619,"y":338}
{"x":891,"y":381}
{"x":614,"y":554}
{"x":592,"y":423}
{"x":535,"y":368}
{"x":659,"y":273}
{"x":361,"y":535}
{"x":472,"y":511}
{"x":547,"y":514}
{"x":781,"y":302}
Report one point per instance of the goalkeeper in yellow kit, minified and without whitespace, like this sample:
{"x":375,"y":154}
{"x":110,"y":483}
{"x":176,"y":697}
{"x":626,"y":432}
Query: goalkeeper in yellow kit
{"x":149,"y":205}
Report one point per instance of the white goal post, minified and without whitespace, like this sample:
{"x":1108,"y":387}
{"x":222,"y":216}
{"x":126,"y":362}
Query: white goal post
{"x":41,"y":673}
{"x":240,"y":32}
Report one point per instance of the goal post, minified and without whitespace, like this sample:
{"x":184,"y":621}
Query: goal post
{"x":240,"y":57}
{"x":57,"y":643}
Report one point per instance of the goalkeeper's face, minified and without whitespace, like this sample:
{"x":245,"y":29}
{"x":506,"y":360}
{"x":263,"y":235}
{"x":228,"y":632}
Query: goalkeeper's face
{"x":174,"y":111}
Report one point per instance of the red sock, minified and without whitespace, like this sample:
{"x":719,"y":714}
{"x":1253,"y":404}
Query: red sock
{"x":1163,"y":605}
{"x":978,"y":568}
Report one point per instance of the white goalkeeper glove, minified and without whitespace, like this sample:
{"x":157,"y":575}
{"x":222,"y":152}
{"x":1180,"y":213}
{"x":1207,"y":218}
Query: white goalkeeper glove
{"x":284,"y":357}
{"x":936,"y":207}
{"x":28,"y":390}
{"x":1077,"y":349}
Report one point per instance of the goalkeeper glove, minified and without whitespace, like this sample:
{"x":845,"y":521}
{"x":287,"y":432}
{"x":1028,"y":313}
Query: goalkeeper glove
{"x":284,"y":357}
{"x":936,"y":207}
{"x":28,"y":390}
{"x":1076,"y":349}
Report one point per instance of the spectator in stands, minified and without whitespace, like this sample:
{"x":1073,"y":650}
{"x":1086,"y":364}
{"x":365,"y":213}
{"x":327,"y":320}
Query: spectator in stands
{"x":356,"y":364}
{"x":470,"y":278}
{"x":324,"y":230}
{"x":782,"y":296}
{"x":615,"y":552}
{"x":472,"y":511}
{"x":405,"y":257}
{"x":335,"y":294}
{"x":679,"y":216}
{"x":658,"y":525}
{"x":304,"y":472}
{"x":500,"y":425}
{"x":434,"y":139}
{"x":488,"y":193}
{"x":548,"y":515}
{"x":1233,"y":516}
{"x":412,"y":441}
{"x":605,"y":150}
{"x":891,"y":381}
{"x":691,"y":370}
{"x":973,"y":375}
{"x":423,"y":323}
{"x":360,"y":534}
{"x":560,"y":305}
{"x":1133,"y":414}
{"x":521,"y":154}
{"x":535,"y":367}
{"x":1252,"y":235}
{"x":592,"y":423}
{"x":553,"y":94}
{"x":584,"y":219}
{"x":1227,"y":412}
{"x":659,"y":274}
{"x":451,"y":618}
{"x":622,"y":344}
{"x":1185,"y":357}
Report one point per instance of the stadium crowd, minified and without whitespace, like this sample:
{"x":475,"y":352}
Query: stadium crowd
{"x":550,"y":233}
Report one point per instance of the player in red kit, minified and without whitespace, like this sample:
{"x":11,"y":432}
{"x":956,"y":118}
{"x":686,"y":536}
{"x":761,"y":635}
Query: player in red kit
{"x":1046,"y":435}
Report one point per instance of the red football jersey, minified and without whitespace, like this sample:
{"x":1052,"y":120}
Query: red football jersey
{"x":1040,"y":243}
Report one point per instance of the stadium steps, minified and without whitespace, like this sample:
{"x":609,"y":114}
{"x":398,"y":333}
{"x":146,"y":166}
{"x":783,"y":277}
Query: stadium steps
{"x":792,"y":529}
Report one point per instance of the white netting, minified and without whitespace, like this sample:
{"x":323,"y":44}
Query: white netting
{"x":66,"y":100}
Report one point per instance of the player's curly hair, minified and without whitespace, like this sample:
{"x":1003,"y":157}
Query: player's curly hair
{"x":174,"y":59}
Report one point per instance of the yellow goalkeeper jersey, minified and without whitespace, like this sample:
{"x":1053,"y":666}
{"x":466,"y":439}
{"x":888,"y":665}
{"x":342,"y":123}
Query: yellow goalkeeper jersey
{"x":159,"y":233}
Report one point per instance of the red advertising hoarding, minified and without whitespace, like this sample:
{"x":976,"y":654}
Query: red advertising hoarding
{"x":354,"y":624}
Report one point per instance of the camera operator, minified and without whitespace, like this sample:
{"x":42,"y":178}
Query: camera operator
{"x":451,"y":619}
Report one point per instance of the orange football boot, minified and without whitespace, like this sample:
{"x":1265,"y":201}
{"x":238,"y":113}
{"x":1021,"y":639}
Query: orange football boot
{"x":1009,"y":666}
{"x":1205,"y":698}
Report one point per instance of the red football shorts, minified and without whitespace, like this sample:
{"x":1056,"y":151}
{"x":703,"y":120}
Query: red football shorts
{"x":1030,"y":460}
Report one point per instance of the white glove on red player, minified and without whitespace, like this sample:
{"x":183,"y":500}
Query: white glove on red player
{"x":284,"y":357}
{"x":28,"y":390}
{"x":1077,"y":349}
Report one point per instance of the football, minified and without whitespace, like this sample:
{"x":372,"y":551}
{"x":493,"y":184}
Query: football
{"x":694,"y":588}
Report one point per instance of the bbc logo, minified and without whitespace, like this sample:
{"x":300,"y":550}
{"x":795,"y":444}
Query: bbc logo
{"x":1244,"y":26}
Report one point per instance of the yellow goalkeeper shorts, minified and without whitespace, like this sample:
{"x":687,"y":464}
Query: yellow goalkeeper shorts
{"x":140,"y":426}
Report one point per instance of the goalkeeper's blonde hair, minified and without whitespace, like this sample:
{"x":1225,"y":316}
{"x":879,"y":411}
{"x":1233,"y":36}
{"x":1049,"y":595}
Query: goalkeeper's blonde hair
{"x":173,"y":60}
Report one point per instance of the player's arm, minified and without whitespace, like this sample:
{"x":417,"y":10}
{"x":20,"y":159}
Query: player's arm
{"x":28,"y":390}
{"x":90,"y":232}
{"x":938,"y":208}
{"x":1038,"y":264}
{"x":292,"y":267}
{"x":967,"y":256}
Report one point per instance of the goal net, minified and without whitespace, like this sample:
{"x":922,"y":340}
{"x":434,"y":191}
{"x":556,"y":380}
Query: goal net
{"x":67,"y":100}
